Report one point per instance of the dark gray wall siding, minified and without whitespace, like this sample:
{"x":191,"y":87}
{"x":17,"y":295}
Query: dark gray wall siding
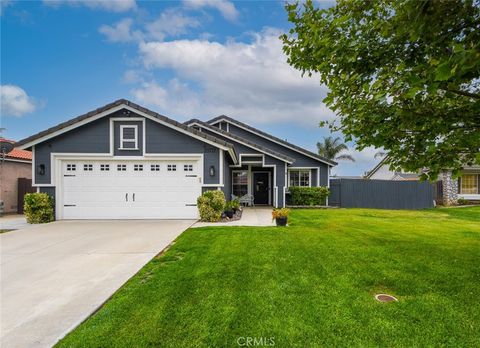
{"x":300,"y":160}
{"x":381,"y":194}
{"x":116,"y":138}
{"x":48,"y":190}
{"x":239,"y":148}
{"x":93,"y":137}
{"x":314,"y":175}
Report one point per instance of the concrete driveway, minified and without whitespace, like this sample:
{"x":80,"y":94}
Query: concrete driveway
{"x":54,"y":276}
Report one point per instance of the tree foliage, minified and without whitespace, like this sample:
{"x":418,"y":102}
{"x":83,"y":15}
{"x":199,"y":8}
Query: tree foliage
{"x":402,"y":75}
{"x":331,"y":148}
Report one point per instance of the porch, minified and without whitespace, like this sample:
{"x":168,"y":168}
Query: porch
{"x":257,"y":182}
{"x":251,"y":216}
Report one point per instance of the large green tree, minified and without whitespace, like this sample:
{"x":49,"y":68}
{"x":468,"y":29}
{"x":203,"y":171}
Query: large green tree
{"x":402,"y":75}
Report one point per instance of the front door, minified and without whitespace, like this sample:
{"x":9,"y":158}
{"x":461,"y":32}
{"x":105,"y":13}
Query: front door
{"x":261,"y":188}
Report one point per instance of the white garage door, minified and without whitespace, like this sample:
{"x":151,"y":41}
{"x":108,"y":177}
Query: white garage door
{"x":165,"y":189}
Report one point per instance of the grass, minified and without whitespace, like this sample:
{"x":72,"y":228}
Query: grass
{"x":307,"y":285}
{"x":5,"y":230}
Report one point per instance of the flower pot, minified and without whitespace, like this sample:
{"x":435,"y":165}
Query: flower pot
{"x":229,"y":213}
{"x":281,"y":221}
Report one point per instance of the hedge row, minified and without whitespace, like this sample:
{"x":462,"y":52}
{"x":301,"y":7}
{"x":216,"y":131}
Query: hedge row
{"x":308,"y":195}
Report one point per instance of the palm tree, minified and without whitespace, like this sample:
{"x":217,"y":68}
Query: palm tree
{"x":331,"y":149}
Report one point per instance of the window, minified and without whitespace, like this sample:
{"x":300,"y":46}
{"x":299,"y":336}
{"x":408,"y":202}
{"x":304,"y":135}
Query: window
{"x":155,"y":167}
{"x":88,"y":167}
{"x":128,"y":137}
{"x":71,"y":167}
{"x":240,"y":182}
{"x":299,"y":178}
{"x":172,"y":168}
{"x":104,"y":167}
{"x":121,"y":167}
{"x":469,"y":184}
{"x":138,"y":167}
{"x":188,"y":168}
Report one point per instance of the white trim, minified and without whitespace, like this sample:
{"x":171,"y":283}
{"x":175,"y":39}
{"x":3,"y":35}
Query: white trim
{"x":139,"y":112}
{"x":238,"y":171}
{"x":134,"y":140}
{"x":213,"y":185}
{"x":469,"y":196}
{"x":220,"y":161}
{"x":269,"y":138}
{"x":16,"y":160}
{"x":241,"y":142}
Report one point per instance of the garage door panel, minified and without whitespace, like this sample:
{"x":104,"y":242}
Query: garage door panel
{"x":150,"y":191}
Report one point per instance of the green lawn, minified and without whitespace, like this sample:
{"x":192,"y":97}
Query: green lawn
{"x":309,"y":284}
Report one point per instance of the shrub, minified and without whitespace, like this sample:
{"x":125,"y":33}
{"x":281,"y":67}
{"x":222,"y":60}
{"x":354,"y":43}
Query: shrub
{"x":210,"y":205}
{"x":38,"y":208}
{"x":462,"y":201}
{"x":235,"y":204}
{"x":309,"y":195}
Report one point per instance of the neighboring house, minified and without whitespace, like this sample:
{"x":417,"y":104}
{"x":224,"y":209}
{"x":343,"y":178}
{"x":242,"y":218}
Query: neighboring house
{"x":16,"y":165}
{"x":467,"y":186}
{"x":125,"y":161}
{"x":382,"y":172}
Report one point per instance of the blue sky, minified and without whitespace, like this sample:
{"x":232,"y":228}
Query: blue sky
{"x":60,"y":59}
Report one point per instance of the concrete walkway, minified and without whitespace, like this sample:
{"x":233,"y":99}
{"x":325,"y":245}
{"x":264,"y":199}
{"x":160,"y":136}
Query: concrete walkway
{"x":55,"y":275}
{"x":13,"y":222}
{"x":251,"y":216}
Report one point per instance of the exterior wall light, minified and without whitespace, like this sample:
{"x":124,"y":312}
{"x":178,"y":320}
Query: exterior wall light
{"x":212,"y":171}
{"x":41,"y":169}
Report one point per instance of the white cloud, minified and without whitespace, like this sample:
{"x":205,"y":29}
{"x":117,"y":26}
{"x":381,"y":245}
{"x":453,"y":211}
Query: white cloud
{"x":4,"y":4}
{"x":121,"y":31}
{"x":250,"y":81}
{"x":15,"y":101}
{"x":226,"y":8}
{"x":364,"y":161}
{"x":108,"y":5}
{"x":170,"y":23}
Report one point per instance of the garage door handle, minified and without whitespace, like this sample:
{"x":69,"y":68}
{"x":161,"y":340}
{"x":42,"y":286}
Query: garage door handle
{"x":134,"y":197}
{"x":126,"y":197}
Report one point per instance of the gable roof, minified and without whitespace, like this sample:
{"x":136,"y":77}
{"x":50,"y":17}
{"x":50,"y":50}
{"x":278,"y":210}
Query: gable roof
{"x":115,"y":106}
{"x":241,"y":140}
{"x":376,"y":168}
{"x":17,"y":154}
{"x":272,"y":138}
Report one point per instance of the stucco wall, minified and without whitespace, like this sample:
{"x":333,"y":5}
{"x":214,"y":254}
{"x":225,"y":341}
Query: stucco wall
{"x":9,"y":174}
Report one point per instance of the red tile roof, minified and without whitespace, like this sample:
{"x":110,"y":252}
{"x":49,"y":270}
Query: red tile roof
{"x":17,"y":153}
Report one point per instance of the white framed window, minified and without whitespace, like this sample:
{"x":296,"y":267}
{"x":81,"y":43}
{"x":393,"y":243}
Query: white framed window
{"x":104,"y":167}
{"x":239,"y":182}
{"x":299,"y":177}
{"x":71,"y":167}
{"x":128,"y":137}
{"x":138,"y":167}
{"x":172,"y":167}
{"x":121,"y":167}
{"x":469,"y":184}
{"x":155,"y":167}
{"x":188,"y":168}
{"x":88,"y":167}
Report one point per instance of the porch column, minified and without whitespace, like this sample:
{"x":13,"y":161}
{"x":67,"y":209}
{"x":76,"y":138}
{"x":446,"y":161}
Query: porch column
{"x":450,"y":188}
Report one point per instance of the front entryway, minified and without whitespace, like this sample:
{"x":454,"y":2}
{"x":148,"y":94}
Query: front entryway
{"x":261,"y":187}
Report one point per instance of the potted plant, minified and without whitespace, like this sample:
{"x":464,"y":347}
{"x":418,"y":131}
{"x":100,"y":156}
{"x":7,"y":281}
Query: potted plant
{"x":280,"y":216}
{"x":235,"y":205}
{"x":229,"y":209}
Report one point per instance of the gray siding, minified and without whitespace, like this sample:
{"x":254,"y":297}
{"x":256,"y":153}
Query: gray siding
{"x":48,"y":190}
{"x":300,"y":160}
{"x":381,"y":194}
{"x":227,"y":178}
{"x":91,"y":138}
{"x":94,"y":138}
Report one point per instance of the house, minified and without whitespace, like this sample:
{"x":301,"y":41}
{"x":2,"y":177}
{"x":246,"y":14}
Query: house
{"x":466,"y":186}
{"x":125,"y":161}
{"x":382,"y":171}
{"x":17,"y":165}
